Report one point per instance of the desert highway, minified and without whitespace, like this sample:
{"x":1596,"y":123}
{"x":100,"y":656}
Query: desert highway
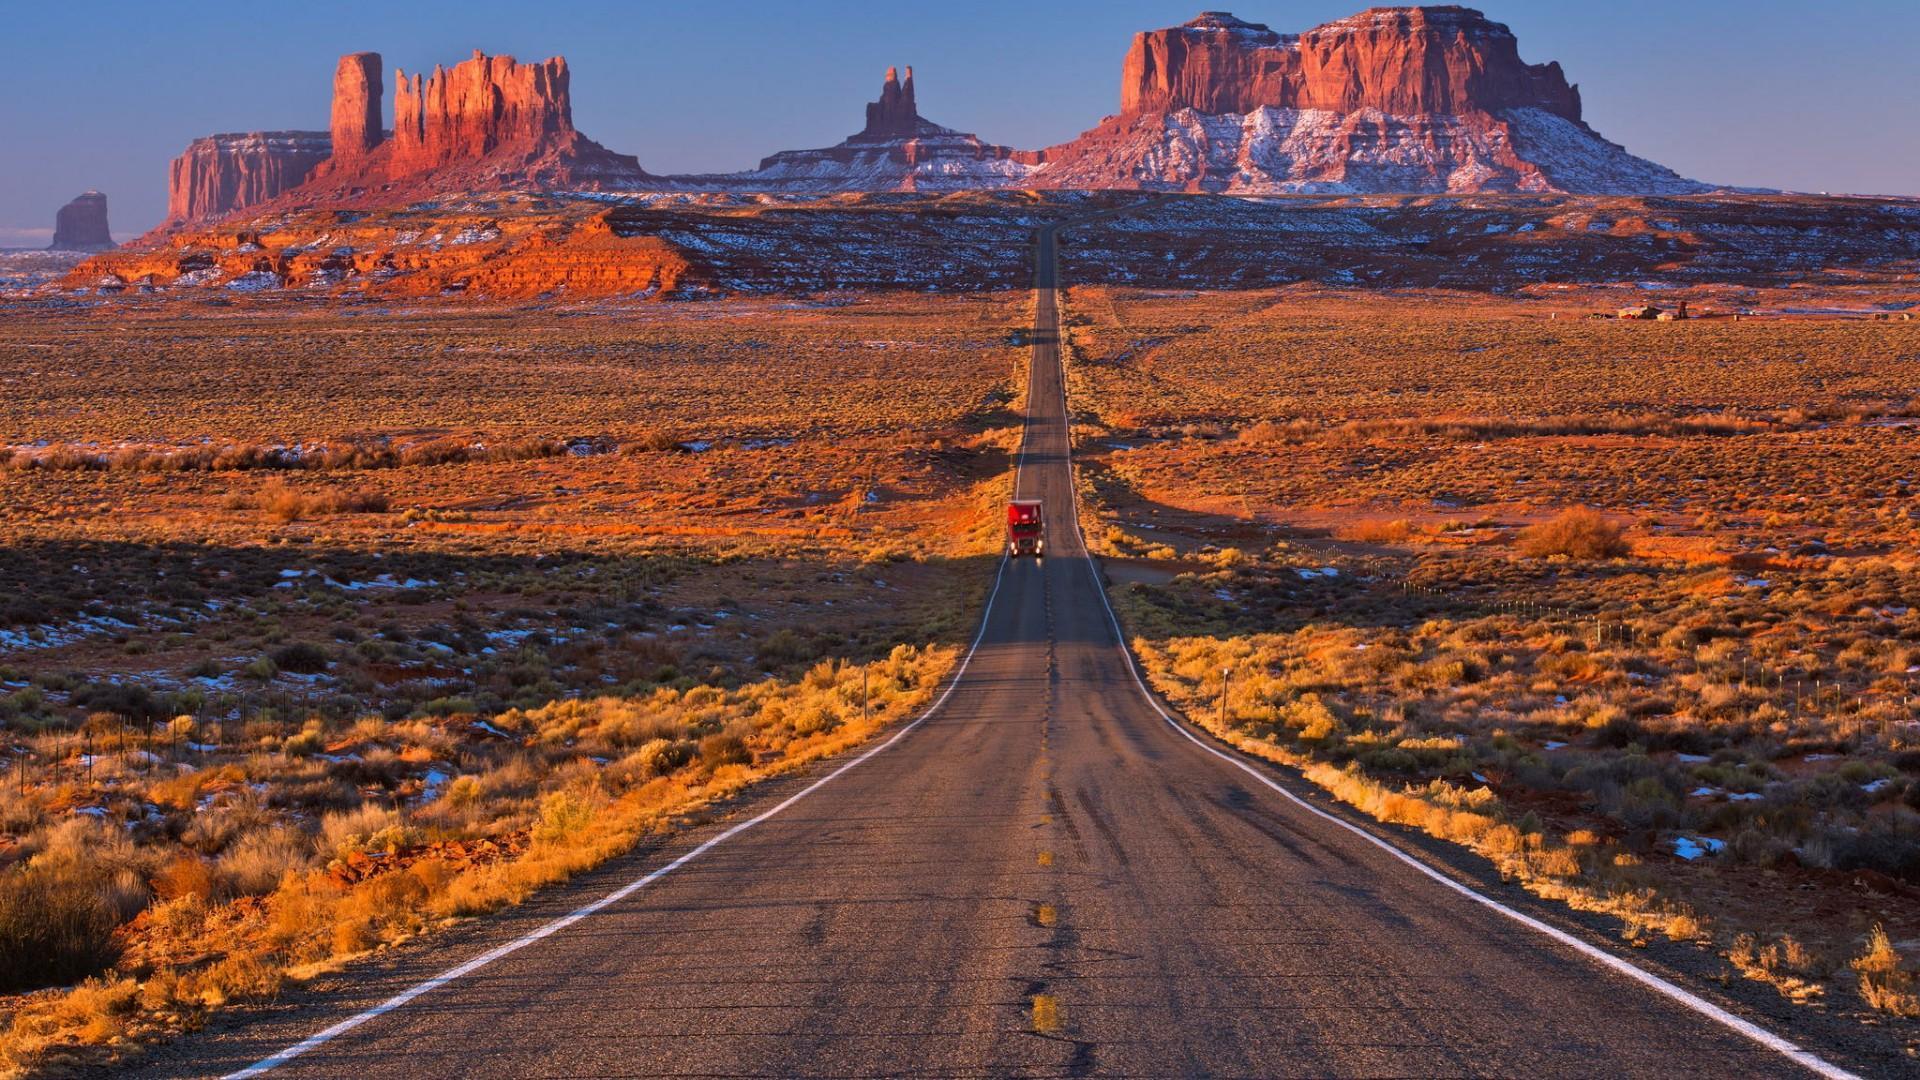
{"x":1043,"y":876}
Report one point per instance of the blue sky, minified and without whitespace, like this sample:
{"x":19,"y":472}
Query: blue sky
{"x":101,"y":95}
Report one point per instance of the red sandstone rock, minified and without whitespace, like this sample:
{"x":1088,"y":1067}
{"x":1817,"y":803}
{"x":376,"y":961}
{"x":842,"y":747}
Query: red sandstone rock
{"x":1405,"y":99}
{"x":1440,"y":61}
{"x":223,"y":173}
{"x":476,"y":108}
{"x":487,"y":123}
{"x":81,"y":225}
{"x":357,"y":117}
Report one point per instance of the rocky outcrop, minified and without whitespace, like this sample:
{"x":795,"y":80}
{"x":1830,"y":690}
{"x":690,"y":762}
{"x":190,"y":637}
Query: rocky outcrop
{"x":898,"y":150}
{"x":489,"y":122}
{"x":478,"y":107}
{"x":81,"y":225}
{"x":223,"y":173}
{"x":896,"y":114}
{"x":1408,"y":99}
{"x":1416,"y":61}
{"x":516,"y":247}
{"x":358,"y":85}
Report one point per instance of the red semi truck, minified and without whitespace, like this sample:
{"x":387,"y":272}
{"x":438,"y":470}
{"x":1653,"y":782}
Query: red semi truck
{"x":1026,"y":533}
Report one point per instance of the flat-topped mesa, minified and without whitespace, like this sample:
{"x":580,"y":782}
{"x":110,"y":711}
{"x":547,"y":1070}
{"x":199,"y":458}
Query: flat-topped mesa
{"x":895,"y":114}
{"x":477,"y":107}
{"x":1394,"y":99}
{"x":358,"y":84}
{"x":1403,"y":61}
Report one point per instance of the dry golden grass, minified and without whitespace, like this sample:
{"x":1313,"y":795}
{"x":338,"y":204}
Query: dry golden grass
{"x":1578,"y":533}
{"x":1622,"y":612}
{"x":1885,"y":982}
{"x":541,"y":802}
{"x":409,"y":640}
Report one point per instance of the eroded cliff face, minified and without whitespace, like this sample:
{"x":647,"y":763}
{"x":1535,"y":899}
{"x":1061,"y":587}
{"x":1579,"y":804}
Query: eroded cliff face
{"x":476,"y":108}
{"x":489,"y":122}
{"x":1419,"y":61}
{"x":220,"y":174}
{"x":1403,"y":99}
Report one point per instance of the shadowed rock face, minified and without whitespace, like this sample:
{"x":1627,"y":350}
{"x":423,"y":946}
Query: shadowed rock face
{"x":223,"y":173}
{"x":81,"y":225}
{"x":895,"y":114}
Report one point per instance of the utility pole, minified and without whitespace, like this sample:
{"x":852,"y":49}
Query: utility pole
{"x":1226,"y":680}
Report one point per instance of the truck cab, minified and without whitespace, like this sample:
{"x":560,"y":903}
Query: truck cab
{"x":1026,"y":530}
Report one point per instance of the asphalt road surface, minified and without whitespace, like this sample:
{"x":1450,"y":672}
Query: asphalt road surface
{"x":1043,"y":878}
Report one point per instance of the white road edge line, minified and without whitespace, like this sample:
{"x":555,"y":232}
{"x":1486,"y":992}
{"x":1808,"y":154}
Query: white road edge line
{"x":1804,"y":1058}
{"x":268,"y":1064}
{"x":321,"y":1038}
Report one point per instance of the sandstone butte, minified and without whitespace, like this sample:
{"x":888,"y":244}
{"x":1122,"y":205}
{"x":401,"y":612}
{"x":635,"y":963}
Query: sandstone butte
{"x":81,"y":225}
{"x":1392,"y":100}
{"x":1400,"y":99}
{"x":898,"y":150}
{"x":1397,"y":100}
{"x":486,"y":123}
{"x":1400,"y":61}
{"x":896,"y":114}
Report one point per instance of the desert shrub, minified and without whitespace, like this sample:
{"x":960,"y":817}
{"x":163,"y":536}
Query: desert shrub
{"x":128,"y":700}
{"x":301,"y":658}
{"x":185,"y":875}
{"x":784,"y":646}
{"x":54,"y":929}
{"x":1377,"y":532}
{"x":1884,"y":983}
{"x":725,"y":748}
{"x":364,"y":828}
{"x":282,"y":502}
{"x":59,"y":911}
{"x":1579,"y":533}
{"x":564,"y":816}
{"x":214,"y":829}
{"x":664,"y":756}
{"x":256,"y":863}
{"x":523,"y":450}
